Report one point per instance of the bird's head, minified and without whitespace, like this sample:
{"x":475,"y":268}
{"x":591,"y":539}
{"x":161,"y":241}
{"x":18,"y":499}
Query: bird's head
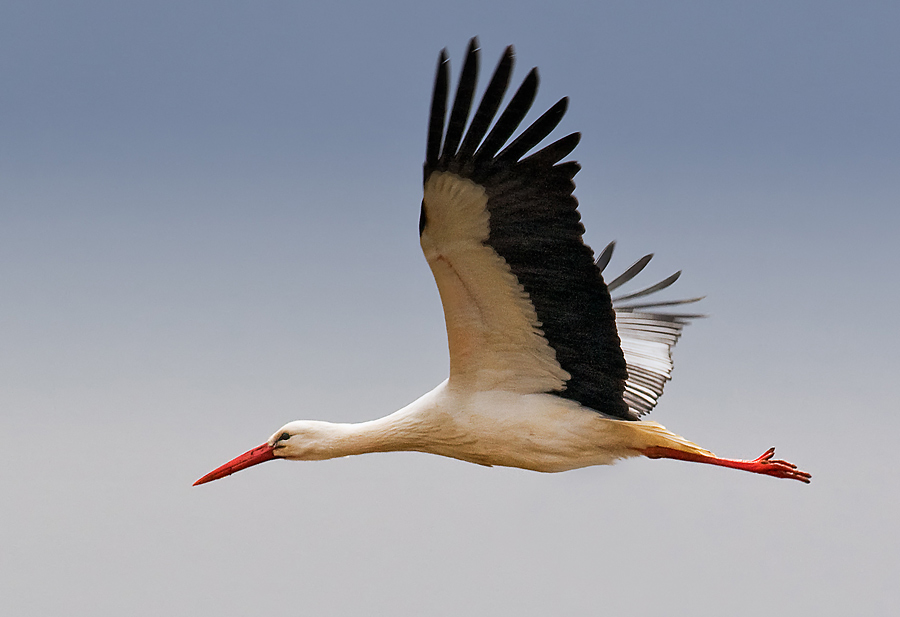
{"x":303,"y":440}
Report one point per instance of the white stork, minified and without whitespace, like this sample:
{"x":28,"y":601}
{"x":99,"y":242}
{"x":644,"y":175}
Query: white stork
{"x":547,"y":372}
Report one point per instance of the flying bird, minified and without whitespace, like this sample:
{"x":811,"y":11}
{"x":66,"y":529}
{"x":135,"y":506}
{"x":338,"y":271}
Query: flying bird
{"x":547,"y":371}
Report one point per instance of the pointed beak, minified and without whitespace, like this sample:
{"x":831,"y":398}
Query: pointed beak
{"x":259,"y":454}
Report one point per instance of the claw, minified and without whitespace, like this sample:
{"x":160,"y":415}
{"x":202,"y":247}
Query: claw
{"x":777,"y":468}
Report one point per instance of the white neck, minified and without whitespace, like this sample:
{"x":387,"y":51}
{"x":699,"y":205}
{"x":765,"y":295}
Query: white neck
{"x":315,"y":440}
{"x":396,"y":432}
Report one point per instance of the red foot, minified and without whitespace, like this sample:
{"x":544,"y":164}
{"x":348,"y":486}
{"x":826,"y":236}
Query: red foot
{"x":765,"y":464}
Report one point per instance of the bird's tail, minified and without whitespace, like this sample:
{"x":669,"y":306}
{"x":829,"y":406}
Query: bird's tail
{"x":649,"y":434}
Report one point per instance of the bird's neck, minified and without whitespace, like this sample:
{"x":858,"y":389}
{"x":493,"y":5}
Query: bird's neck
{"x":397,"y":432}
{"x":423,"y":425}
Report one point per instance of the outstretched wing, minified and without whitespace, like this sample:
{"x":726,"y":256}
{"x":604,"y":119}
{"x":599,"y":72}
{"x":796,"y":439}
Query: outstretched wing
{"x":526,"y":307}
{"x":647,"y":335}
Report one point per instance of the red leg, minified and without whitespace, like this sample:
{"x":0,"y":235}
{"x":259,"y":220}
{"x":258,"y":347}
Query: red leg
{"x":765,"y":464}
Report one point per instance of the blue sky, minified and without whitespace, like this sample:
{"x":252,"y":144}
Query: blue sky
{"x":208,"y":218}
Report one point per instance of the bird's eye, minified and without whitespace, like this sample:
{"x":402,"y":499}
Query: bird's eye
{"x":283,"y":436}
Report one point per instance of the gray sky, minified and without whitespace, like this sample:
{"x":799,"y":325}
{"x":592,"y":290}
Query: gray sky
{"x":208,"y":219}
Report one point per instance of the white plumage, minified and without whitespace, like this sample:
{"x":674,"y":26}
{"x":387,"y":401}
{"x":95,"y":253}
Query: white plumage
{"x":547,"y":371}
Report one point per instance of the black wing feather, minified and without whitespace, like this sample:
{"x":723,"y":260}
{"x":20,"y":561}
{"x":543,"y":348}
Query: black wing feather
{"x":438,"y":111}
{"x":461,"y":104}
{"x":630,"y":273}
{"x":605,"y":256}
{"x":490,"y":103}
{"x":556,"y":151}
{"x":666,"y":282}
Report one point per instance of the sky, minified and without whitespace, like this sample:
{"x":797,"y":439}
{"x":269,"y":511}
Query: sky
{"x":208,"y":228}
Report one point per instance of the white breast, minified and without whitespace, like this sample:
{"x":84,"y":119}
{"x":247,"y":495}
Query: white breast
{"x":540,"y":432}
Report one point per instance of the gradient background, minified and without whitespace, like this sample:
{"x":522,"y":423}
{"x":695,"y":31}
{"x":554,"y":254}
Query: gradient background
{"x":208,"y":216}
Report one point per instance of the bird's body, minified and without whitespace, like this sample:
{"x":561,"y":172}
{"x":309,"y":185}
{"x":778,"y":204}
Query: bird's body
{"x":539,"y":431}
{"x":547,"y":371}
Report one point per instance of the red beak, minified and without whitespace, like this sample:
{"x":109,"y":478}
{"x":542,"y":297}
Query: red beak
{"x":259,"y":454}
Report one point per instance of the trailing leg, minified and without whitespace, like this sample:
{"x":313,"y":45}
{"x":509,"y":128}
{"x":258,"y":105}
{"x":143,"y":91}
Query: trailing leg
{"x":764,"y":464}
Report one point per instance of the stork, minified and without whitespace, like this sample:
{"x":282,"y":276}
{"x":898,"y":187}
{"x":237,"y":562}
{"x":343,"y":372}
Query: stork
{"x":547,"y":371}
